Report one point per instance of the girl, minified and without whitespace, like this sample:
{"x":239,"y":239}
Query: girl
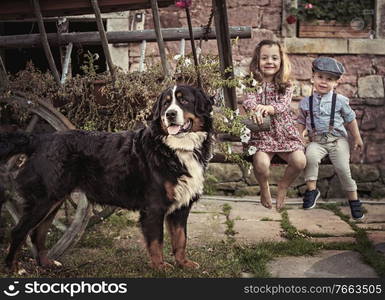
{"x":270,"y":66}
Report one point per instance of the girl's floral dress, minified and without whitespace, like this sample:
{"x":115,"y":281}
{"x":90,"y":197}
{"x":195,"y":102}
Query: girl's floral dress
{"x":283,"y":135}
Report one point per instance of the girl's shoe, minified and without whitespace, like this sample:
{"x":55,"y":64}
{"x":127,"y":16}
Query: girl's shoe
{"x":356,"y":209}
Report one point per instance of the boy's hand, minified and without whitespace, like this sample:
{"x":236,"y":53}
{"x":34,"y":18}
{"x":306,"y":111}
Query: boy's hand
{"x":303,"y":134}
{"x":358,"y":144}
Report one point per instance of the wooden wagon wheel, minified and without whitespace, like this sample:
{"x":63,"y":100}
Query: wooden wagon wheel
{"x":82,"y":209}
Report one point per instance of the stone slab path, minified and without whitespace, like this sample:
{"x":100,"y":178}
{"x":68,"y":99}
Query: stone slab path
{"x":328,"y":263}
{"x":252,"y":224}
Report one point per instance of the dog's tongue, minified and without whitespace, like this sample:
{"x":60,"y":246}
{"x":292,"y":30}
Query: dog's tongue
{"x":173,"y":129}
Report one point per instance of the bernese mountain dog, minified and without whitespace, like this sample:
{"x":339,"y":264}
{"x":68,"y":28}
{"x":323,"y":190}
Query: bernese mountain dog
{"x":157,"y":170}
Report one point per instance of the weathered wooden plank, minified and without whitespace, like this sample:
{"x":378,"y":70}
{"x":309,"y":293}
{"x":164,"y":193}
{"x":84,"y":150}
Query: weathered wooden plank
{"x":44,"y":41}
{"x":93,"y":38}
{"x":288,"y":30}
{"x":103,"y":37}
{"x":159,"y":36}
{"x":22,"y":9}
{"x":337,"y":34}
{"x":224,"y":49}
{"x":332,"y":28}
{"x":322,"y":28}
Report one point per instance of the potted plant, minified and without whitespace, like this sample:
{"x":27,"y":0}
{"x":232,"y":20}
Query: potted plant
{"x":333,"y":18}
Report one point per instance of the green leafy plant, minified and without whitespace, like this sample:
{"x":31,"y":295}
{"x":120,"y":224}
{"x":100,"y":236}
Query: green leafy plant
{"x":89,"y":67}
{"x":94,"y":102}
{"x":344,"y":11}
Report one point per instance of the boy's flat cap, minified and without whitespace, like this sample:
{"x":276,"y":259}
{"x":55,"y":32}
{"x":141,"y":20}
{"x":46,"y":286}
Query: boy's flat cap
{"x":328,"y":65}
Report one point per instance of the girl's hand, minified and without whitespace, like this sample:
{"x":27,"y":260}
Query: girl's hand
{"x":358,"y":144}
{"x":262,"y":111}
{"x":257,"y":117}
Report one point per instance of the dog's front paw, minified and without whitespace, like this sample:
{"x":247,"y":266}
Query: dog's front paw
{"x":22,"y":272}
{"x":163,"y":266}
{"x":13,"y":269}
{"x":49,"y":263}
{"x":189,"y":264}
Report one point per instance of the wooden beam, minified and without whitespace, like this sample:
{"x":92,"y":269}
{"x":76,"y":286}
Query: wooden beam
{"x":379,"y":18}
{"x":224,"y":49}
{"x":103,"y":37}
{"x":22,"y":9}
{"x":159,"y":36}
{"x":3,"y":74}
{"x":288,"y":30}
{"x":66,"y":63}
{"x":114,"y":37}
{"x":194,"y":51}
{"x":44,"y":41}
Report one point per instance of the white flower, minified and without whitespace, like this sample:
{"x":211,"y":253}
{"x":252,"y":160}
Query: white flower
{"x":229,"y":149}
{"x":259,"y":90}
{"x":254,"y":82}
{"x":236,"y":112}
{"x":252,"y":150}
{"x":249,"y":169}
{"x":177,"y":57}
{"x":245,"y":130}
{"x":245,"y":138}
{"x":245,"y":134}
{"x":187,"y":62}
{"x":225,"y":120}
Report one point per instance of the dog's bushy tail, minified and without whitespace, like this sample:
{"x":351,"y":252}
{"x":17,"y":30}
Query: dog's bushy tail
{"x":12,"y":143}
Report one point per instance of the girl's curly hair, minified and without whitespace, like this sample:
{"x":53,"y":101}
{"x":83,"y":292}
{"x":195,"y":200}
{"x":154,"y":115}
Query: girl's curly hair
{"x":282,"y":78}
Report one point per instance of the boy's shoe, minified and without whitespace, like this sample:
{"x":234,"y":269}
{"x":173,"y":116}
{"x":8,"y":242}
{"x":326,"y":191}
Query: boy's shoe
{"x":356,"y":209}
{"x":310,"y":199}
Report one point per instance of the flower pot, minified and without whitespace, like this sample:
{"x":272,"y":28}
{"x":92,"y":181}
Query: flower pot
{"x":333,"y":29}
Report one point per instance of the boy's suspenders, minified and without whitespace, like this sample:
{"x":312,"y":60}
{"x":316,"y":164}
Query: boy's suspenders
{"x":332,"y":113}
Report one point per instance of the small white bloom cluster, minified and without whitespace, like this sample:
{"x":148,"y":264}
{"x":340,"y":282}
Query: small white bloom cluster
{"x":245,"y":135}
{"x":186,"y":61}
{"x":229,"y":149}
{"x":252,"y":150}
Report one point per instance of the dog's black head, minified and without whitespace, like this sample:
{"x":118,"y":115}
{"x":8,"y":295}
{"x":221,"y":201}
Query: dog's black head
{"x":182,"y":109}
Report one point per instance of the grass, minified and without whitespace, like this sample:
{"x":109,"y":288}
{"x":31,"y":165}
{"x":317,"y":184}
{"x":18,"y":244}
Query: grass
{"x":230,"y":232}
{"x":364,"y":246}
{"x":256,"y":258}
{"x":111,"y":249}
{"x":299,"y":243}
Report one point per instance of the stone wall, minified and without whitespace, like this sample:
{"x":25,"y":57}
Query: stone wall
{"x":363,"y":83}
{"x":230,"y":179}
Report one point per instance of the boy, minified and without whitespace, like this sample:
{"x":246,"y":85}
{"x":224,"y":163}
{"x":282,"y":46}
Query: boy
{"x":324,"y":115}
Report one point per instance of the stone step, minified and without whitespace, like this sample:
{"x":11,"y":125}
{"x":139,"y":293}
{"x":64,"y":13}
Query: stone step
{"x":319,"y":221}
{"x":326,"y":264}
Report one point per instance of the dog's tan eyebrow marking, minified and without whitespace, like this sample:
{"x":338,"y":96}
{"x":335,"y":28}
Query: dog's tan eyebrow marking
{"x":168,"y":97}
{"x":179,"y":94}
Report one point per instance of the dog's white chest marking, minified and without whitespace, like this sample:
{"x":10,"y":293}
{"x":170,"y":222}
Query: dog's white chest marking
{"x":191,"y":186}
